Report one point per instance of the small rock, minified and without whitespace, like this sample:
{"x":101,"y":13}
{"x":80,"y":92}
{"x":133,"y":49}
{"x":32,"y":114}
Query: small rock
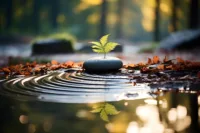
{"x":99,"y":64}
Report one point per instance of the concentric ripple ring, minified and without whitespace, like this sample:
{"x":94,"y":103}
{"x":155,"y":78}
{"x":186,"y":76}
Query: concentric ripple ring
{"x":73,"y":87}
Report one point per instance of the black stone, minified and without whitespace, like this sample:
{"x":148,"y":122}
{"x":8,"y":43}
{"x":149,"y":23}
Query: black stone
{"x":52,"y":46}
{"x":182,"y":40}
{"x":99,"y":64}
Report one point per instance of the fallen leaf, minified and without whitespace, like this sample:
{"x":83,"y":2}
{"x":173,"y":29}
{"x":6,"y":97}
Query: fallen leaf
{"x":149,"y":61}
{"x":156,"y":59}
{"x":161,"y":67}
{"x":165,"y":59}
{"x":54,"y":62}
{"x":179,"y":60}
{"x":69,"y":64}
{"x":6,"y":70}
{"x":131,"y":65}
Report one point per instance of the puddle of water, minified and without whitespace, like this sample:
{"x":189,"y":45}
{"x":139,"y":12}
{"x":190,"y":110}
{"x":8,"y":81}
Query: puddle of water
{"x":169,"y":113}
{"x":68,"y":102}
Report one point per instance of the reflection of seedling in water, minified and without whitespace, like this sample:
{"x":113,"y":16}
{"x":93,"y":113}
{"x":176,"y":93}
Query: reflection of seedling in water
{"x":103,"y":46}
{"x":105,"y":109}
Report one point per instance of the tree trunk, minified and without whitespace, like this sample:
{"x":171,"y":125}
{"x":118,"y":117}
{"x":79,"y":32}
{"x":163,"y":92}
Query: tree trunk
{"x":54,"y":12}
{"x":174,"y":15}
{"x":119,"y":31}
{"x":35,"y":16}
{"x":9,"y":14}
{"x":194,"y":14}
{"x":103,"y":18}
{"x":157,"y":21}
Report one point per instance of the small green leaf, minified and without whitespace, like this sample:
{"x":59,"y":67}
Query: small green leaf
{"x":98,"y":50}
{"x":96,"y":47}
{"x":104,"y":116}
{"x":104,"y":39}
{"x":110,"y":46}
{"x":110,"y":109}
{"x":103,"y":46}
{"x":96,"y":43}
{"x":96,"y":110}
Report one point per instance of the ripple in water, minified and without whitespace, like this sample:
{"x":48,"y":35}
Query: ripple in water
{"x":73,"y":87}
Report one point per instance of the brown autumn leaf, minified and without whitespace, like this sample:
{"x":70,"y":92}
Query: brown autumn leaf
{"x":149,"y":61}
{"x":76,"y":65}
{"x":54,"y":67}
{"x":179,"y":60}
{"x":125,"y":66}
{"x":69,"y":64}
{"x":6,"y":70}
{"x":165,"y":59}
{"x":156,"y":59}
{"x":131,"y":65}
{"x":80,"y":64}
{"x":161,"y":67}
{"x":37,"y":69}
{"x":170,"y":67}
{"x":54,"y":62}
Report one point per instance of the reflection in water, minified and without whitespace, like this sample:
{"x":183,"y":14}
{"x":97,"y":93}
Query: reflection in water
{"x":105,"y":109}
{"x":23,"y":119}
{"x":153,"y":101}
{"x":31,"y":128}
{"x":168,"y":113}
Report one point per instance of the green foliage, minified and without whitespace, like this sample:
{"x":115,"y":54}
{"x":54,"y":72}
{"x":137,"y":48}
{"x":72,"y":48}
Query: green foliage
{"x":57,"y":36}
{"x":105,"y":109}
{"x":150,"y":48}
{"x":103,"y":46}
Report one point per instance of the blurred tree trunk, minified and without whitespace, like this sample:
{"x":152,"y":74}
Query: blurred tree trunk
{"x":194,"y":14}
{"x":36,"y":16}
{"x":103,"y":18}
{"x":9,"y":14}
{"x":157,"y":21}
{"x":121,"y":4}
{"x":193,"y":102}
{"x":174,"y":15}
{"x":54,"y":12}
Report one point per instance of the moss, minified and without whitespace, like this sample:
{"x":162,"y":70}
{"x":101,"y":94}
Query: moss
{"x":56,"y":36}
{"x":150,"y":48}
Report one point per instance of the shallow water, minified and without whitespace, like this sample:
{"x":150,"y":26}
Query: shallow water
{"x":85,"y":103}
{"x":169,"y":113}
